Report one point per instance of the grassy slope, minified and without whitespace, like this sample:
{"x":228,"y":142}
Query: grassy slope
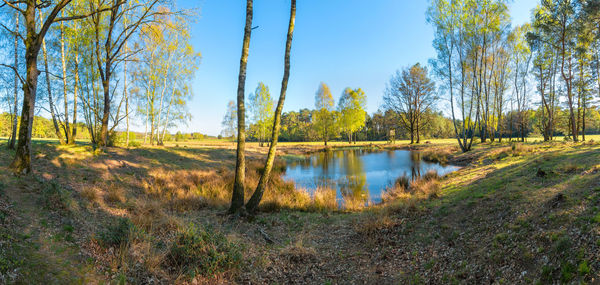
{"x":495,"y":219}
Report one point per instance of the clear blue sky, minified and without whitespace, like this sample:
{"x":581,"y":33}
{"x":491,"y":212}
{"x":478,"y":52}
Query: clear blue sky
{"x":344,"y":43}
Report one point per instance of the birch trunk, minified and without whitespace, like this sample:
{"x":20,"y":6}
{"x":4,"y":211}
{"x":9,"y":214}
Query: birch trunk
{"x":252,"y":205}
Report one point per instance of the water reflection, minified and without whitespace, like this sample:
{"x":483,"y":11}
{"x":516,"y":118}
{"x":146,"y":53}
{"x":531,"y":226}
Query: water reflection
{"x":359,"y":175}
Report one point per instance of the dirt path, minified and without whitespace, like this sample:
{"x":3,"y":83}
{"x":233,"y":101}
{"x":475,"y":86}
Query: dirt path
{"x":47,"y":253}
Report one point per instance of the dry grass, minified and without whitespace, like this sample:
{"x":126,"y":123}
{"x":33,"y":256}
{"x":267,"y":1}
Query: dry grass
{"x":373,"y":223}
{"x":151,"y":216}
{"x":324,"y":199}
{"x":115,"y":194}
{"x":428,"y":186}
{"x":299,"y":253}
{"x":90,"y":194}
{"x":184,"y":190}
{"x":568,"y":168}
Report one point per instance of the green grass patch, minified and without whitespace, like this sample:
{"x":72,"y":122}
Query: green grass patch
{"x":203,"y":251}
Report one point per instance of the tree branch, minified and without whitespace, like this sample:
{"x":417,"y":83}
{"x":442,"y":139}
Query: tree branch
{"x":15,"y":70}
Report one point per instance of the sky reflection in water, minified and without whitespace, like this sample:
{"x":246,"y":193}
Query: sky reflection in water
{"x":359,"y":173}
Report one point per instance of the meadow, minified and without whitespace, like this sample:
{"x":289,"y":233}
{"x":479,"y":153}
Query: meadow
{"x":515,"y":212}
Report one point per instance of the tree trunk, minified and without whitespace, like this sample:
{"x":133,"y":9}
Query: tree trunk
{"x":252,"y":205}
{"x":126,"y":99}
{"x":67,"y":127}
{"x":103,"y":139}
{"x":50,"y":99}
{"x":13,"y":136}
{"x":22,"y":161}
{"x":75,"y":95}
{"x":237,"y":198}
{"x":162,"y":138}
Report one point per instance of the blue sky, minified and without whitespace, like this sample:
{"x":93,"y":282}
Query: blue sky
{"x":344,"y":43}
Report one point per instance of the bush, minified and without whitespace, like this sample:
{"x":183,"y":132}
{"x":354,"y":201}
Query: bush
{"x":203,"y":252}
{"x":116,"y":234}
{"x":120,"y":138}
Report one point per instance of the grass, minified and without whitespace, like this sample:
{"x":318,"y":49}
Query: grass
{"x":157,"y":213}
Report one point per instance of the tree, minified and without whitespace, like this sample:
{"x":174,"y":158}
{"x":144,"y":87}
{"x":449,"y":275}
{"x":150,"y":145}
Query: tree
{"x":33,"y":42}
{"x":254,"y":201}
{"x":410,"y":93}
{"x":230,"y":121}
{"x":521,"y":60}
{"x":49,"y":90}
{"x":470,"y":40}
{"x":351,"y":107}
{"x":13,"y":134}
{"x":261,"y":108}
{"x":162,"y":73}
{"x":450,"y":65}
{"x":324,"y":118}
{"x":560,"y":25}
{"x":544,"y":64}
{"x":110,"y":35}
{"x":237,"y":198}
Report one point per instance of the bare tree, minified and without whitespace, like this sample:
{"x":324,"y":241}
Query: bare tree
{"x":108,"y":54}
{"x":410,"y":94}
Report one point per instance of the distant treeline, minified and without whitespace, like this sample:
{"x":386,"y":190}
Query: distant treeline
{"x":44,"y":128}
{"x":299,"y":126}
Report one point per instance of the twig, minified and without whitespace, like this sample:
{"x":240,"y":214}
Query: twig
{"x":268,"y":239}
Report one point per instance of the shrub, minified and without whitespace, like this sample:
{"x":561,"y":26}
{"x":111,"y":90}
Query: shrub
{"x":116,"y":234}
{"x":203,"y":252}
{"x":134,"y":143}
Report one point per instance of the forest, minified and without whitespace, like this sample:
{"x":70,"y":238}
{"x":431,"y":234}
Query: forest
{"x":479,"y":165}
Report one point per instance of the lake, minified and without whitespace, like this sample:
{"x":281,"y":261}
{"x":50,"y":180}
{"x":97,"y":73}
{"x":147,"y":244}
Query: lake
{"x":359,"y":173}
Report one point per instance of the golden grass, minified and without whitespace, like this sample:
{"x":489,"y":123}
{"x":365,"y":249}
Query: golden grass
{"x":90,"y":194}
{"x":428,"y":186}
{"x":373,"y":223}
{"x":324,"y":199}
{"x":115,"y":194}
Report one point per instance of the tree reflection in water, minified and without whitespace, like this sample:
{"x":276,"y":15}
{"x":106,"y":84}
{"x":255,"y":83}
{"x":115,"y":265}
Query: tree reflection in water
{"x":359,"y":175}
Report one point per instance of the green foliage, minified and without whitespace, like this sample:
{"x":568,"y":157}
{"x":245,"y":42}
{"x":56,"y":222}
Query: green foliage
{"x":54,"y":196}
{"x":352,"y":107}
{"x":261,"y":107}
{"x":583,"y":268}
{"x":567,"y":272}
{"x":230,"y":121}
{"x":116,"y":234}
{"x":324,"y":120}
{"x":204,"y":252}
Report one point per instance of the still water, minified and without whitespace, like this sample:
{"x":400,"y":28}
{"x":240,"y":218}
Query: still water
{"x":359,"y":173}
